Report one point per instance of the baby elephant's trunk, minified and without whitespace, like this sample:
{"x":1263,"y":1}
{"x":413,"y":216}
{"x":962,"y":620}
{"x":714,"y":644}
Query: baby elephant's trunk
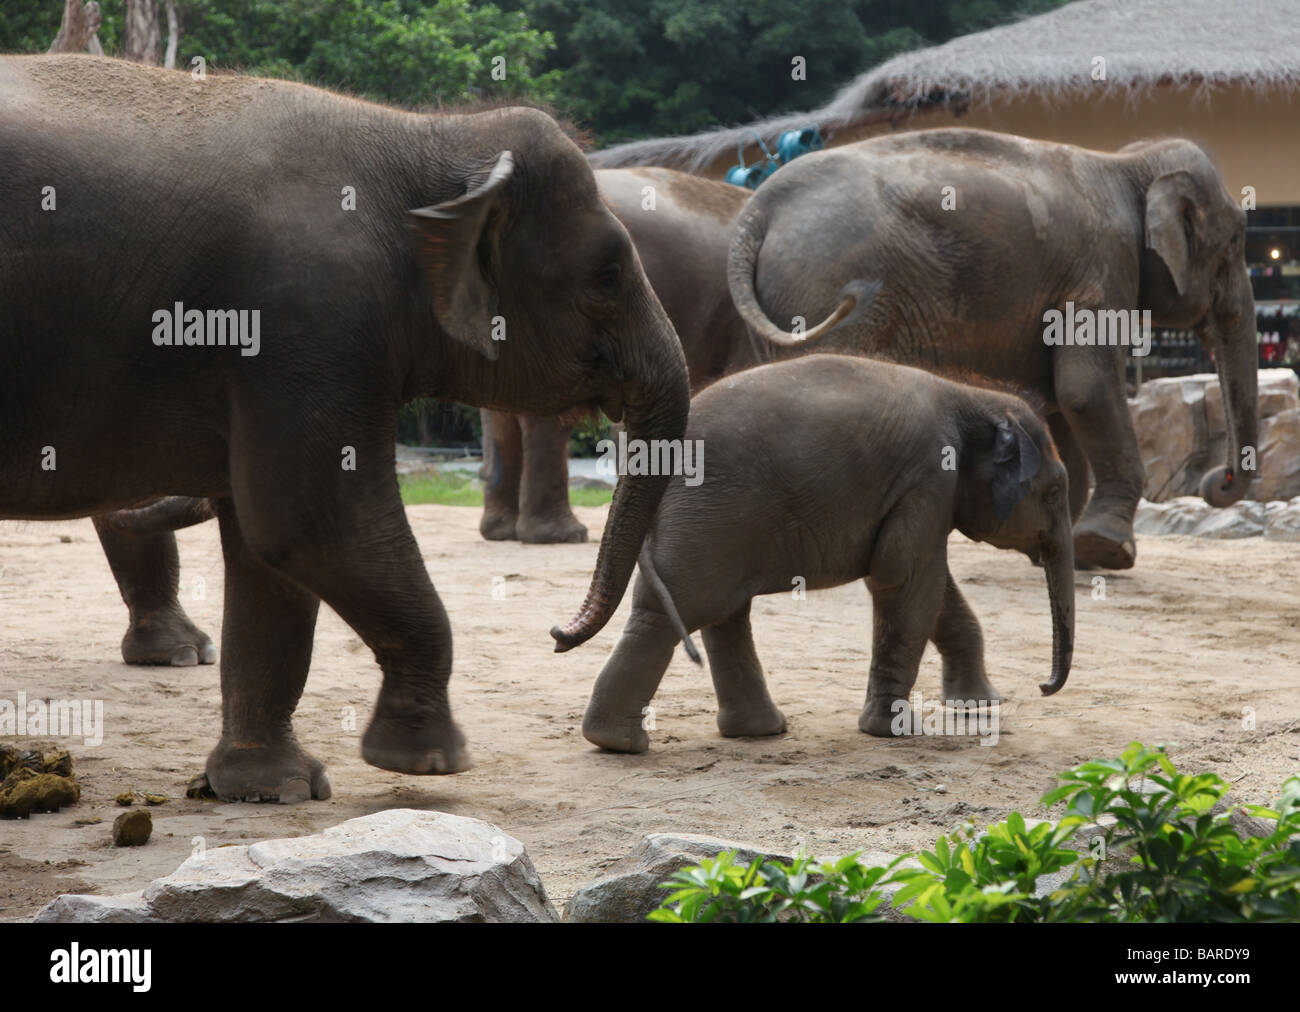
{"x":666,"y":599}
{"x":1058,"y":566}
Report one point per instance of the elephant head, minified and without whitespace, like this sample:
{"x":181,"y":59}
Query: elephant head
{"x":548,"y":309}
{"x":1194,"y":276}
{"x":1012,"y":492}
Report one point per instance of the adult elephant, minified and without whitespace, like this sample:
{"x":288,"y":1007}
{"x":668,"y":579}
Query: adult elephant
{"x":681,"y":226}
{"x":369,"y":256}
{"x":967,"y":238}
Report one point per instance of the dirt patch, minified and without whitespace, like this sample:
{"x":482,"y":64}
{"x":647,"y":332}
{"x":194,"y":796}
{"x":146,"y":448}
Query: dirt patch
{"x":1198,"y":647}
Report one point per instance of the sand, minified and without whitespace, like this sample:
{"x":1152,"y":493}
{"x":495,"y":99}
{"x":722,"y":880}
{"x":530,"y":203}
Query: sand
{"x":1197,"y":647}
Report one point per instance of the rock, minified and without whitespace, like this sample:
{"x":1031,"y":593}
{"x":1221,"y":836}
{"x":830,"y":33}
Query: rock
{"x":24,"y":792}
{"x":629,"y":890}
{"x":132,"y":829}
{"x":199,"y":789}
{"x":399,"y":865}
{"x":1241,"y":520}
{"x":126,"y":799}
{"x":1177,"y":516}
{"x":1181,"y":433}
{"x":78,"y":908}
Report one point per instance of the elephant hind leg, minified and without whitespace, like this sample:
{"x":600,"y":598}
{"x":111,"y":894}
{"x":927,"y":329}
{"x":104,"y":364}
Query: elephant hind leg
{"x":147,"y":570}
{"x":745,"y":709}
{"x":266,"y":643}
{"x":502,"y":469}
{"x":545,"y":516}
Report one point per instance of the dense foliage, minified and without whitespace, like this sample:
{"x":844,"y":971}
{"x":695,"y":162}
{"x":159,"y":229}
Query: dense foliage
{"x":1154,"y":849}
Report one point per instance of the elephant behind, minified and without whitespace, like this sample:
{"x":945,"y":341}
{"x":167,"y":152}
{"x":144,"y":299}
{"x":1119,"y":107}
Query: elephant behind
{"x":966,"y":241}
{"x":681,"y":226}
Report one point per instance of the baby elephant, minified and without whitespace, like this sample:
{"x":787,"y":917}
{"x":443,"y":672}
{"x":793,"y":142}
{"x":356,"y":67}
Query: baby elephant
{"x":831,"y":468}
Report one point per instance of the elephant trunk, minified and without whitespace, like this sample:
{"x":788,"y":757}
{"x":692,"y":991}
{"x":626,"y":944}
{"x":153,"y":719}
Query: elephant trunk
{"x":653,"y":411}
{"x":1237,"y":361}
{"x":1058,"y":567}
{"x":742,"y":261}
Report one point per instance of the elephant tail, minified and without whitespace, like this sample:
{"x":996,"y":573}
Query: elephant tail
{"x":169,"y":514}
{"x":742,"y":260}
{"x":666,"y":599}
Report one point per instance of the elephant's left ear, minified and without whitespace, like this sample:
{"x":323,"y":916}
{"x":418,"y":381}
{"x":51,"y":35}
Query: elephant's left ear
{"x":456,"y":243}
{"x":1015,"y":460}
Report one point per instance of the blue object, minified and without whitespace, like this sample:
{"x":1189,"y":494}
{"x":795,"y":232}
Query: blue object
{"x":794,"y":143}
{"x":790,"y":145}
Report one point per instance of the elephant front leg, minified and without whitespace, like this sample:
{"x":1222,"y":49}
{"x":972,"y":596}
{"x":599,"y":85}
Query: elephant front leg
{"x":960,"y":643}
{"x":147,"y":570}
{"x":744,"y":707}
{"x":619,"y":713}
{"x":266,"y":643}
{"x":503,"y":456}
{"x":1090,"y":392}
{"x":907,"y":589}
{"x":545,"y":516}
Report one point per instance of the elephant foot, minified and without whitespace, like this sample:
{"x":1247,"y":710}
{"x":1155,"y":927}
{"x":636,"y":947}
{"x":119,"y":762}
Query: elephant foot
{"x":880,"y":718}
{"x":617,"y":734}
{"x":1104,"y":542}
{"x":166,"y":636}
{"x":973,"y":690}
{"x":498,"y":525}
{"x":247,"y":771}
{"x":561,"y":530}
{"x":751,"y":721}
{"x":431,"y":749}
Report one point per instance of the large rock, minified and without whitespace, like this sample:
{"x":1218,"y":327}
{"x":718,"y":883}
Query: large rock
{"x":1181,"y":434}
{"x":400,"y":865}
{"x":1192,"y":516}
{"x":629,"y":890}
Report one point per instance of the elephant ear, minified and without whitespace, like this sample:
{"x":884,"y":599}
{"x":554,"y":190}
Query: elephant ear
{"x":456,"y":244}
{"x":1015,"y":460}
{"x":1171,"y":221}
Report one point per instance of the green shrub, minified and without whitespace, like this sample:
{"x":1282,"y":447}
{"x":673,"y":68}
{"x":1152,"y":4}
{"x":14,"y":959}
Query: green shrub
{"x":1165,"y":857}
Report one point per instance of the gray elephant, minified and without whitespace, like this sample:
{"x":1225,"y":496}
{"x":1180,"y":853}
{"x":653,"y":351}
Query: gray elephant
{"x":225,"y":288}
{"x":828,"y":469}
{"x":681,"y":226}
{"x":975,"y":244}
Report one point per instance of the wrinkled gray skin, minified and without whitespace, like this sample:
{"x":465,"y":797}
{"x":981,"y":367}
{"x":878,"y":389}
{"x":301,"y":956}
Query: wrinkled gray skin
{"x":682,"y":239}
{"x":227,"y":193}
{"x":830,"y":468}
{"x":1036,"y":225}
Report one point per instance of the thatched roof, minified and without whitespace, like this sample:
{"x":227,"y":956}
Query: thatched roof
{"x":1196,"y":44}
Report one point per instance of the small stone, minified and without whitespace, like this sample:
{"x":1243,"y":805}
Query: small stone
{"x":93,"y":820}
{"x":126,"y":798}
{"x":132,"y":829}
{"x":199,"y":789}
{"x":155,"y":799}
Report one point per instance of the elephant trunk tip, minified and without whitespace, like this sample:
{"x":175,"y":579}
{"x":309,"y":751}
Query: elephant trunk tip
{"x":1052,"y":687}
{"x":566,"y":640}
{"x":1222,"y":487}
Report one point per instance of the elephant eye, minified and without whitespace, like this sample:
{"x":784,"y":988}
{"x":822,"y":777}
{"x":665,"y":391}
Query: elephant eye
{"x":607,"y":280}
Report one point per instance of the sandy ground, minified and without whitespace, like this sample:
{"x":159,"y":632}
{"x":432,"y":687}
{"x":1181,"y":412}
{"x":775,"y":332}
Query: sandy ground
{"x":1177,"y":650}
